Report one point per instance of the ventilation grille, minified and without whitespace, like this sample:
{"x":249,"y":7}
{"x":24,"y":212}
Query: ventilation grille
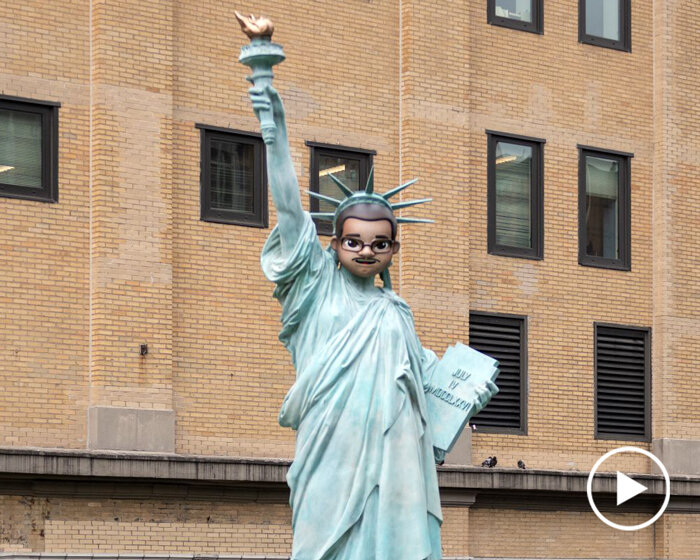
{"x":502,"y":339}
{"x":621,"y":382}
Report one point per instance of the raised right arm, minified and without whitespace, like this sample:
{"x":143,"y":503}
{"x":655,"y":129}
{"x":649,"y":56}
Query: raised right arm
{"x":280,"y":171}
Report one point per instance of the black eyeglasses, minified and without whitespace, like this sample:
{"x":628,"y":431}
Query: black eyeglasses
{"x":378,"y":246}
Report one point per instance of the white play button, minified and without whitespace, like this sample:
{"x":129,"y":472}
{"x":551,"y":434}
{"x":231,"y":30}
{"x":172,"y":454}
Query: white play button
{"x":627,"y":488}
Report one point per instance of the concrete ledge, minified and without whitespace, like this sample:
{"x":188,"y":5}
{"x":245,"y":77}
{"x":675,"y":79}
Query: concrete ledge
{"x":42,"y":471}
{"x":140,"y":465}
{"x":558,"y":481}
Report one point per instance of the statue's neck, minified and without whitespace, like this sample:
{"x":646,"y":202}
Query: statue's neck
{"x":362,"y":284}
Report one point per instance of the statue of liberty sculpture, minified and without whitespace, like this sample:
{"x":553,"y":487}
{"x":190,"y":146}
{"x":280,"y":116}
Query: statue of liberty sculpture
{"x":363,"y":482}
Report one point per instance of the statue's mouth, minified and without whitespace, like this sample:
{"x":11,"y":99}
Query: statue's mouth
{"x":366,"y":261}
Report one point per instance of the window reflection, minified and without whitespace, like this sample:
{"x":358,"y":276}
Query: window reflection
{"x":513,"y":194}
{"x":232,"y":170}
{"x":520,"y":10}
{"x":602,"y":193}
{"x":20,"y":148}
{"x":603,"y":19}
{"x":346,"y":170}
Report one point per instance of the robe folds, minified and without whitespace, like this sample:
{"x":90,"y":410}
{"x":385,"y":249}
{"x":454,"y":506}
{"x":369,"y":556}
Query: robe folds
{"x":363,"y":484}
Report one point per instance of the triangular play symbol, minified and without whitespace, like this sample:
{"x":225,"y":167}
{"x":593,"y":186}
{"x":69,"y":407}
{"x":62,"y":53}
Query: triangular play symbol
{"x":627,"y":488}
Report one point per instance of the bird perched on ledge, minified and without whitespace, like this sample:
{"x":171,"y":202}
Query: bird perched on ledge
{"x":521,"y":464}
{"x":490,"y":462}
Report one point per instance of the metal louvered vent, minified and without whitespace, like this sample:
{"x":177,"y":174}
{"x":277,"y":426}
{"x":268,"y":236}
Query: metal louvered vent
{"x":622,"y":383}
{"x":503,"y":338}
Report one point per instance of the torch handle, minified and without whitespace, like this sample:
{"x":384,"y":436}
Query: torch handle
{"x":261,"y":78}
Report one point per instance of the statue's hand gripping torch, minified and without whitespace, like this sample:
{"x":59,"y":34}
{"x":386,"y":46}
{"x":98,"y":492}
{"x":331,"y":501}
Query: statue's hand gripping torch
{"x":261,"y":55}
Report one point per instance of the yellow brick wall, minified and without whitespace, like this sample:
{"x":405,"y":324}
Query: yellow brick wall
{"x":131,"y":198}
{"x":231,"y":373}
{"x":44,"y":248}
{"x":193,"y":290}
{"x":564,"y":534}
{"x":676,"y":196}
{"x":678,"y":536}
{"x":455,"y":531}
{"x":143,"y":526}
{"x":175,"y":526}
{"x":92,"y":525}
{"x":436,"y":74}
{"x":550,"y":86}
{"x":124,"y":259}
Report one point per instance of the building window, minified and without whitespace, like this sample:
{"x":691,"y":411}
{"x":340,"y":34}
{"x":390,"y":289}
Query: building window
{"x":515,"y":196}
{"x":525,"y":15}
{"x":605,"y":23}
{"x":29,"y":149}
{"x":504,"y":338}
{"x":233,"y":181}
{"x":604,"y":208}
{"x":622,"y":382}
{"x":350,"y":166}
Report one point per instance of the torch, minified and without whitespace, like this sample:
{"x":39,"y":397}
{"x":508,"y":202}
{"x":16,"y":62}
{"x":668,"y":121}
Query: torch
{"x":261,"y":55}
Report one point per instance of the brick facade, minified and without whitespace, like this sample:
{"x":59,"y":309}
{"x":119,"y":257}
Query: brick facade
{"x":123,"y":258}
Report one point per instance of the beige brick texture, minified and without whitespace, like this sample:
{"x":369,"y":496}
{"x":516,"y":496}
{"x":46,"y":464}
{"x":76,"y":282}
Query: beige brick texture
{"x":131,"y":202}
{"x":552,"y":87}
{"x":676,"y":222}
{"x":44,"y":248}
{"x":567,"y":534}
{"x":123,"y":258}
{"x":193,"y":290}
{"x":143,"y":526}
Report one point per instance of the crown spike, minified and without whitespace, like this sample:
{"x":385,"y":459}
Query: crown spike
{"x":369,"y":188}
{"x":413,"y":221}
{"x":408,"y":203}
{"x":387,"y":195}
{"x":323,"y":215}
{"x":346,"y":190}
{"x":328,"y":199}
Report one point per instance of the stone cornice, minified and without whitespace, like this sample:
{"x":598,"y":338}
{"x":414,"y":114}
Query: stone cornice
{"x":134,"y":474}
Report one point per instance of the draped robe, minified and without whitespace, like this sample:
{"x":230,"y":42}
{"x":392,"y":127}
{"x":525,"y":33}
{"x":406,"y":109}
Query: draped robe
{"x":363,"y":484}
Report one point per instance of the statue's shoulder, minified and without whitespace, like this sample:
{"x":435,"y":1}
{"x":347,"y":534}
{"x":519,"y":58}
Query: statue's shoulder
{"x":395,"y":299}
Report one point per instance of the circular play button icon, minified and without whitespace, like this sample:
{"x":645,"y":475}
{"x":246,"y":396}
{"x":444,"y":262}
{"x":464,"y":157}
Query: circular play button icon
{"x":628,"y":488}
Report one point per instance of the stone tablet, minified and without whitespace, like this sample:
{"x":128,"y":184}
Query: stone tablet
{"x":452,"y":391}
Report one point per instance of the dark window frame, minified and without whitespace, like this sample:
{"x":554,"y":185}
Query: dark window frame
{"x":364,"y":156}
{"x":522,"y":430}
{"x":647,"y":383}
{"x":259,"y":217}
{"x":536,"y":252}
{"x":534,"y":26}
{"x":625,"y":19}
{"x":48,"y":192}
{"x":624,"y":218}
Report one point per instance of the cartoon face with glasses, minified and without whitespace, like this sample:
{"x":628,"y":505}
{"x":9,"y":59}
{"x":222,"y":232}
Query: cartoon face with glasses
{"x":366,"y":246}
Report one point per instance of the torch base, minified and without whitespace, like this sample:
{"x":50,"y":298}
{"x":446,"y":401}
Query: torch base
{"x":261,"y":53}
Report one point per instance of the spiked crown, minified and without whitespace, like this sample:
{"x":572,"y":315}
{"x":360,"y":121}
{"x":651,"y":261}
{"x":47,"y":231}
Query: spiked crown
{"x":367,"y":196}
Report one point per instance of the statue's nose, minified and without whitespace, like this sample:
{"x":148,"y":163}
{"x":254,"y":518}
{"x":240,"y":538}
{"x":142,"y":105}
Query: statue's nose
{"x":367,"y":251}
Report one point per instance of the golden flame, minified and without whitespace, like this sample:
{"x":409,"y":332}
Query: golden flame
{"x":255,"y":27}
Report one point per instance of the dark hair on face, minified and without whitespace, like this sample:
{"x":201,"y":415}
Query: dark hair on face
{"x":367,"y":212}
